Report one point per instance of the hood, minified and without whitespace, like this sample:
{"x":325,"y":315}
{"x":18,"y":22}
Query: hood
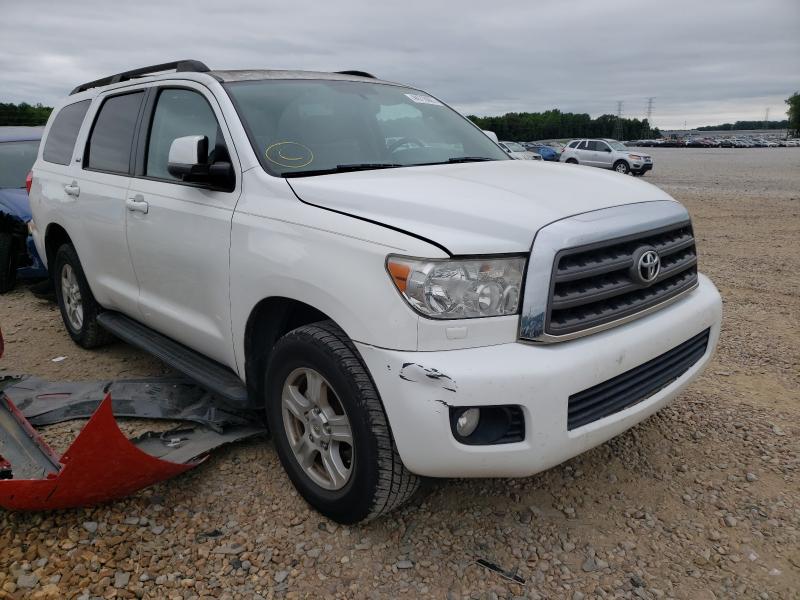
{"x":15,"y":203}
{"x":474,"y":208}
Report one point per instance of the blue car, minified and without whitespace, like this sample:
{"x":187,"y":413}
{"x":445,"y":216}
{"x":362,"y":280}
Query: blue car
{"x":546,"y":152}
{"x":18,"y":256}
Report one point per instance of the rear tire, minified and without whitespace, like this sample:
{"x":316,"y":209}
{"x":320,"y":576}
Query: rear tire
{"x":622,"y":167}
{"x":79,"y":309}
{"x":318,"y":393}
{"x":8,"y":262}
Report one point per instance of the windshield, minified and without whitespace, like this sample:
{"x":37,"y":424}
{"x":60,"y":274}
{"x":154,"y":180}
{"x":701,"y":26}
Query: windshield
{"x":309,"y":127}
{"x":16,"y":159}
{"x":617,"y":146}
{"x":515,"y":147}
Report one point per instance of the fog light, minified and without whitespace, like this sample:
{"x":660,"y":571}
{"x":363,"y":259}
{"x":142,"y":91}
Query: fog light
{"x":468,"y":421}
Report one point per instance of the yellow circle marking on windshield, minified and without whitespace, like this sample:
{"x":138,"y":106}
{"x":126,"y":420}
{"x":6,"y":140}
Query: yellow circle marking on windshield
{"x":292,"y":155}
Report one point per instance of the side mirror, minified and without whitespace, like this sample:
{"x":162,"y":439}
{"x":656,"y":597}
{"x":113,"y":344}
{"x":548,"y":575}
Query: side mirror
{"x":188,"y":156}
{"x":188,"y":161}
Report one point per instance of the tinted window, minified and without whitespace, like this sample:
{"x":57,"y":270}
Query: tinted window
{"x":582,"y":145}
{"x":592,"y":145}
{"x":63,"y":133}
{"x":16,"y":159}
{"x":180,"y":113}
{"x":112,"y":135}
{"x":573,"y":144}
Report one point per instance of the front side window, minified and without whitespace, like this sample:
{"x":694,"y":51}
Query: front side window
{"x":16,"y":159}
{"x":112,"y":135}
{"x":592,"y":145}
{"x":301,"y":127}
{"x":181,"y":113}
{"x":61,"y":139}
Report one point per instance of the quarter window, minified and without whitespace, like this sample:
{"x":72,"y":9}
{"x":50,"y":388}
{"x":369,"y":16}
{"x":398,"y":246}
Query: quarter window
{"x":61,"y":139}
{"x":112,"y":135}
{"x":181,"y":113}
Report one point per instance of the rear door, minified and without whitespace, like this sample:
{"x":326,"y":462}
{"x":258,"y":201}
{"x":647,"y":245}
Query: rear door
{"x":178,"y":232}
{"x":583,"y":154}
{"x":603,"y":155}
{"x":103,"y":185}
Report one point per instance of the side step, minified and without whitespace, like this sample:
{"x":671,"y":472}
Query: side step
{"x":207,"y":373}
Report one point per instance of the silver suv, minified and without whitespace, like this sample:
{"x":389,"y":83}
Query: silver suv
{"x":607,"y":154}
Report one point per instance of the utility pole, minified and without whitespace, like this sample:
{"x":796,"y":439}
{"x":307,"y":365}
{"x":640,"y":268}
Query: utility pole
{"x":618,"y":126}
{"x":646,"y":128}
{"x":766,"y":118}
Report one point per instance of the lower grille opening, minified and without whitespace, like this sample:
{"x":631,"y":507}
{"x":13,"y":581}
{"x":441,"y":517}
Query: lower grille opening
{"x":636,"y":385}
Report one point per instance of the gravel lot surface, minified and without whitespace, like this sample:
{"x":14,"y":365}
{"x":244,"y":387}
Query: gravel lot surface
{"x":701,"y":501}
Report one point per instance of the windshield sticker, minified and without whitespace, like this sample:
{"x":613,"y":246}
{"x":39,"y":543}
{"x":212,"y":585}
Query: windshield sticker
{"x":420,"y":99}
{"x":291,"y":155}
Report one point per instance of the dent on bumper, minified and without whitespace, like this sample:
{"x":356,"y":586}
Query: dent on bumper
{"x":418,"y":387}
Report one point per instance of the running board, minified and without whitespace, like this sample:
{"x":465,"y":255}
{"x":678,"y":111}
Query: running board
{"x":211,"y":375}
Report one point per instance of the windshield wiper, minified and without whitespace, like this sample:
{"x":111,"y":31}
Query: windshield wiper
{"x":342,"y":169}
{"x":464,"y":159}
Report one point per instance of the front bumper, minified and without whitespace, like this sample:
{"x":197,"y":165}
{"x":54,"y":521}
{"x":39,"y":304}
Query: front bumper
{"x":539,"y":378}
{"x":642,"y":167}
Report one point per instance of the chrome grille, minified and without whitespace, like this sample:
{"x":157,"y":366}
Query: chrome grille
{"x":594,"y":285}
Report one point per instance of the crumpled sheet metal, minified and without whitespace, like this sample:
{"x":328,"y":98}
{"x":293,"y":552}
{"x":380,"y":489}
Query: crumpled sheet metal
{"x":100,"y":465}
{"x":175,"y":398}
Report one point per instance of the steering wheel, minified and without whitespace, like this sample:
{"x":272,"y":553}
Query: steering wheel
{"x":405,"y":140}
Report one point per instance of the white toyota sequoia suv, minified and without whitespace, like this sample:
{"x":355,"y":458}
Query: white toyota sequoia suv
{"x":358,"y":264}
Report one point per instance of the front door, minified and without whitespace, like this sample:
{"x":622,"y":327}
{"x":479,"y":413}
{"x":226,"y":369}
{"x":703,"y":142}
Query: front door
{"x":179,"y":233}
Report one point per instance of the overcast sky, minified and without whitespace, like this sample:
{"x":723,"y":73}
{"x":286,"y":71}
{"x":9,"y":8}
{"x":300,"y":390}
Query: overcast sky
{"x":704,"y":61}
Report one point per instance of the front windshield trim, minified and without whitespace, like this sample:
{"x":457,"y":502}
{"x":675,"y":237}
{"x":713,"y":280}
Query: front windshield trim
{"x":228,"y":85}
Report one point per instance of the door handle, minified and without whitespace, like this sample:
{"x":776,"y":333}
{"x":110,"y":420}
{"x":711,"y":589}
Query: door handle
{"x":72,"y":189}
{"x":137,"y":204}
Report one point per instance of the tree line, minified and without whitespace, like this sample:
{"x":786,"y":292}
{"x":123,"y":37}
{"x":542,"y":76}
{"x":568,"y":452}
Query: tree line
{"x":554,"y":124}
{"x":24,"y":114}
{"x":747,"y":125}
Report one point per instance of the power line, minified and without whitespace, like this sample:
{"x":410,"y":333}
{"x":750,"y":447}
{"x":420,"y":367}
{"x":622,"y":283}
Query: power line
{"x":618,"y":126}
{"x":649,"y":125}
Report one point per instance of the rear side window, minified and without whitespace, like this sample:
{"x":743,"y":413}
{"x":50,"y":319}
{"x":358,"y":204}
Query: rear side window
{"x":582,"y":145}
{"x":112,"y":135}
{"x":61,"y":139}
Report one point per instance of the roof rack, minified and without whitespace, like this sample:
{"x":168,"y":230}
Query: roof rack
{"x":180,"y":66}
{"x":357,"y":74}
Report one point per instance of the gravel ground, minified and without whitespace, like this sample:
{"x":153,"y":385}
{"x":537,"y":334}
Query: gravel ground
{"x":699,"y":502}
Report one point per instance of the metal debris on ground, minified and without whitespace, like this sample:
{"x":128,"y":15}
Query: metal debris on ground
{"x":102,"y":464}
{"x":510,"y":575}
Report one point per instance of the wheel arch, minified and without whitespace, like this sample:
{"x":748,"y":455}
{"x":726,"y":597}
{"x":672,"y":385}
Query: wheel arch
{"x":268,"y":321}
{"x":55,"y":236}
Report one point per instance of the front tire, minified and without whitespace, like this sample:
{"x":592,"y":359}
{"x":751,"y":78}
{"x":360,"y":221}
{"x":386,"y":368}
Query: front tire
{"x":571,"y":161}
{"x":8,"y":262}
{"x":622,"y":167}
{"x":330,"y":429}
{"x":79,"y":309}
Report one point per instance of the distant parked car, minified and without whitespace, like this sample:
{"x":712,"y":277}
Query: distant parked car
{"x":543,"y":150}
{"x":607,"y":154}
{"x":518,"y":151}
{"x":18,"y":257}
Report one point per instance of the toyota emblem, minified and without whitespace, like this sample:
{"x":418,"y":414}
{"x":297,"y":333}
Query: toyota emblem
{"x":647,"y":265}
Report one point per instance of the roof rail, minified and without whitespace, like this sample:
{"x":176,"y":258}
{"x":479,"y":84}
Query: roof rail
{"x":357,"y":74}
{"x":180,"y":66}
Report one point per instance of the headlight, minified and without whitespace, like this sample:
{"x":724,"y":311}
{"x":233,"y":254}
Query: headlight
{"x":634,"y":157}
{"x":459,"y":288}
